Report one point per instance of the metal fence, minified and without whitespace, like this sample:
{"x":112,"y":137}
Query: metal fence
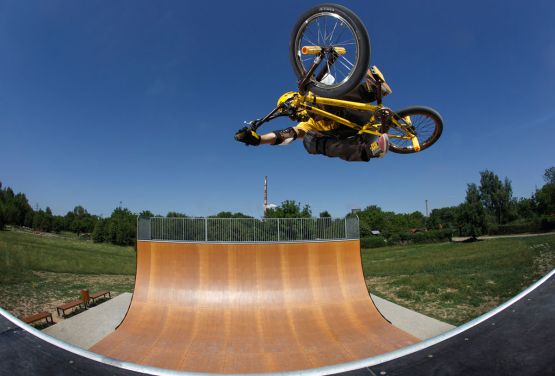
{"x":242,"y":230}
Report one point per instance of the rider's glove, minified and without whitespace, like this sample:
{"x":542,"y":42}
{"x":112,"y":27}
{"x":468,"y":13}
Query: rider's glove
{"x":247,"y":136}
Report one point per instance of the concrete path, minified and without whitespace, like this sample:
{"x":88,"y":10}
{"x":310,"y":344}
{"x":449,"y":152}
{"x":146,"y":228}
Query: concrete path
{"x":87,"y":328}
{"x":417,"y":324}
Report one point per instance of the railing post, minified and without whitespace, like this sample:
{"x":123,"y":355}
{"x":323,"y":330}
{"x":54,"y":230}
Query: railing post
{"x":206,"y":229}
{"x":345,"y":228}
{"x":278,"y":228}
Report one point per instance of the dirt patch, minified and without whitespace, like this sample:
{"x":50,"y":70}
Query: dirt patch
{"x":544,"y":262}
{"x":434,"y":304}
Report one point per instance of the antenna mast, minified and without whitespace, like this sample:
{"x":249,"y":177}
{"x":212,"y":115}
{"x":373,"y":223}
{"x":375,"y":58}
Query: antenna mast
{"x":265,"y":194}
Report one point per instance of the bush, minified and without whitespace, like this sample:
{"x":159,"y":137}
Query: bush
{"x":543,"y":224}
{"x":434,"y":236}
{"x":372,"y":242}
{"x":547,"y":224}
{"x":1,"y":216}
{"x":515,"y":228}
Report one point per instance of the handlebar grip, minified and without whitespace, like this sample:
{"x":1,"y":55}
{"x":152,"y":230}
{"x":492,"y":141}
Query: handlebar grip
{"x":314,"y":50}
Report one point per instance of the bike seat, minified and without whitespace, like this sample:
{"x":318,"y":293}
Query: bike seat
{"x":374,"y":77}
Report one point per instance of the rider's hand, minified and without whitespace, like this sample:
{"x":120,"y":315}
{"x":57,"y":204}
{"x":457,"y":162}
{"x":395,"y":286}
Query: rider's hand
{"x":247,"y":136}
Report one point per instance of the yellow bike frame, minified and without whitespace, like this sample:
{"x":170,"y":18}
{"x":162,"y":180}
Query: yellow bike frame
{"x":307,"y":102}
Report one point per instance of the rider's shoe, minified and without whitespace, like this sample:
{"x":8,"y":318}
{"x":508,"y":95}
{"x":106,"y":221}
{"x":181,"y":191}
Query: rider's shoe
{"x":380,"y":147}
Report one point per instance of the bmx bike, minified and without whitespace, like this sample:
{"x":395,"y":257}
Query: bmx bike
{"x":330,"y":53}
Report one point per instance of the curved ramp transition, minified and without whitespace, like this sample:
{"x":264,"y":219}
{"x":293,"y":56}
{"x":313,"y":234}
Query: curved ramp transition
{"x":250,"y":308}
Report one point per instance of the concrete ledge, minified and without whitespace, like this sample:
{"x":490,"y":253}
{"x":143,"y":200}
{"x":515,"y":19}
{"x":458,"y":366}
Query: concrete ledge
{"x":87,"y":328}
{"x":417,"y":324}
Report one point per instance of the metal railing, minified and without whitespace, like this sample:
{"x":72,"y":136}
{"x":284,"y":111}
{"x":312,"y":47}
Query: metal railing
{"x":247,"y":230}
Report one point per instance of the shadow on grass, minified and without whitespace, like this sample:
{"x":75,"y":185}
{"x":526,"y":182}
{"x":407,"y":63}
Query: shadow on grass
{"x":43,"y":325}
{"x":471,"y":240}
{"x":97,"y":302}
{"x":75,"y":312}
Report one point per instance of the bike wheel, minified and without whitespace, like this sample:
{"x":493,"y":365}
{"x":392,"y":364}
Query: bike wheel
{"x":325,"y":26}
{"x":426,"y":124}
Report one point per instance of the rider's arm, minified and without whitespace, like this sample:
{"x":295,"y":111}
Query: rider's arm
{"x":282,"y":137}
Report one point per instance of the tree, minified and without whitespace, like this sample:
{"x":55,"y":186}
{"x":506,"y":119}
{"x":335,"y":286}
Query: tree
{"x":524,"y":208}
{"x":98,"y":234}
{"x":443,"y":218}
{"x":289,"y":209}
{"x":1,"y":213}
{"x":496,"y":196}
{"x":544,"y":200}
{"x":371,"y":218}
{"x":146,"y":214}
{"x":46,"y":221}
{"x":120,"y":228}
{"x":58,"y":224}
{"x":37,"y":220}
{"x":549,"y":175}
{"x":80,"y":221}
{"x":472,"y":219}
{"x":227,"y":214}
{"x":174,"y":214}
{"x":325,"y":214}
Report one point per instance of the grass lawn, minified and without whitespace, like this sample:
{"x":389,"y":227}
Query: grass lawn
{"x":39,"y":272}
{"x":455,"y":282}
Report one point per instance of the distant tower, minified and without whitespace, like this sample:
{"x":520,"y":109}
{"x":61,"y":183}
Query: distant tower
{"x":265,"y":194}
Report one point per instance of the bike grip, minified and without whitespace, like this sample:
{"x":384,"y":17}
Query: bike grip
{"x":314,"y":50}
{"x":340,"y":50}
{"x":311,"y":50}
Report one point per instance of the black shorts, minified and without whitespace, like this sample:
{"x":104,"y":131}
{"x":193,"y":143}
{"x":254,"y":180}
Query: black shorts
{"x":353,"y":147}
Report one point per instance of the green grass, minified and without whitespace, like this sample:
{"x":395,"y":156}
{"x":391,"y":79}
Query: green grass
{"x":40,"y":271}
{"x":21,"y":253}
{"x":455,"y":282}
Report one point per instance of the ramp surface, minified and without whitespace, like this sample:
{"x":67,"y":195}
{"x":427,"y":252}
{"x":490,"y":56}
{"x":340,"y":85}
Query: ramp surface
{"x":250,"y":308}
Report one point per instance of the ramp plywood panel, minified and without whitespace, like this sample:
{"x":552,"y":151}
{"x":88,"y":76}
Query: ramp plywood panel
{"x":245,"y":308}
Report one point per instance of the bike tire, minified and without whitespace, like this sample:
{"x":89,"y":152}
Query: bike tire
{"x":362,"y":58}
{"x":430,"y":118}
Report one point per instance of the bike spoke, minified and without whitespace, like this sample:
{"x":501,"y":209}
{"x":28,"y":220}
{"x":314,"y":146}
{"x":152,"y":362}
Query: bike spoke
{"x":310,"y":42}
{"x":347,"y":60}
{"x":346,"y":43}
{"x":333,"y":31}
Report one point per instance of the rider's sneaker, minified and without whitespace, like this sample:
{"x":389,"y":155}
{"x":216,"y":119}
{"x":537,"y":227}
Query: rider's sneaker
{"x":380,"y":147}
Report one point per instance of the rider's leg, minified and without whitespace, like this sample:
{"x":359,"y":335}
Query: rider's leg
{"x":360,"y":147}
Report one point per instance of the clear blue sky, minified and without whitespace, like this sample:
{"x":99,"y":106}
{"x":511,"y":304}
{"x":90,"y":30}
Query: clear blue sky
{"x":138,"y":101}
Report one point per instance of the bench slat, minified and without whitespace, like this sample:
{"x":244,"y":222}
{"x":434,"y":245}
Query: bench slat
{"x":99,"y":294}
{"x":36,"y":317}
{"x":71,"y":304}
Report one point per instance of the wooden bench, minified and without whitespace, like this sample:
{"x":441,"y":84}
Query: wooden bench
{"x":100,"y":294}
{"x":39,"y":316}
{"x":64,"y":307}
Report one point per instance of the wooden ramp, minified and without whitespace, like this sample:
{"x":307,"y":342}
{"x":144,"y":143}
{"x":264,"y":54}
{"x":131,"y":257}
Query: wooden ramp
{"x":250,"y":308}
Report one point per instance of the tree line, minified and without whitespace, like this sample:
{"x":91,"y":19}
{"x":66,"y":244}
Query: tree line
{"x":489,"y":207}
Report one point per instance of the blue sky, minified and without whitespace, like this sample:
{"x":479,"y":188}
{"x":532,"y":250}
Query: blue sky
{"x":138,"y":101}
